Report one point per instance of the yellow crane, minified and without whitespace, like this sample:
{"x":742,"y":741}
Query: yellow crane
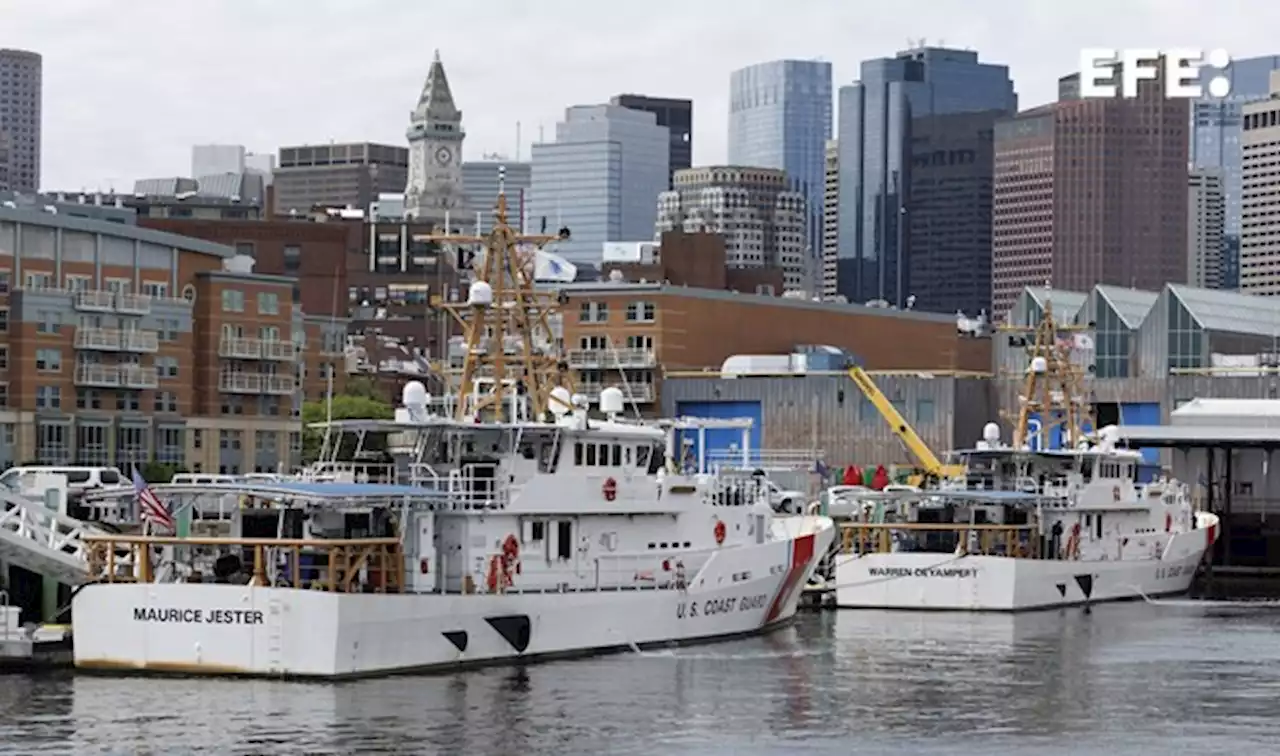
{"x":931,"y":468}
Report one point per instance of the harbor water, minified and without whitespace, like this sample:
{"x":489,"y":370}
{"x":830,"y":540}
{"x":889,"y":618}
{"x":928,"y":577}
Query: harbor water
{"x":1139,"y":678}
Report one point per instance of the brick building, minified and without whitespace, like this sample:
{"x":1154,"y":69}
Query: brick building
{"x":628,"y":334}
{"x":121,"y":344}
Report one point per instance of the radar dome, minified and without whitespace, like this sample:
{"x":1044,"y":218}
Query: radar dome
{"x":991,"y":433}
{"x":561,"y":401}
{"x":480,"y":294}
{"x":1039,"y":365}
{"x":612,"y":401}
{"x":414,"y":394}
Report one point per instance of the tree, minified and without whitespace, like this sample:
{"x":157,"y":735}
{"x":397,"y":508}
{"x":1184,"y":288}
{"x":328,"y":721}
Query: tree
{"x":345,"y":407}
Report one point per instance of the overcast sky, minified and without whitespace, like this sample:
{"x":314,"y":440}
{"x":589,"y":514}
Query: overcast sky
{"x":130,"y":85}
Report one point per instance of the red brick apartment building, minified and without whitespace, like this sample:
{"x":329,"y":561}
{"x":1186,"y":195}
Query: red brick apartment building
{"x":121,"y":344}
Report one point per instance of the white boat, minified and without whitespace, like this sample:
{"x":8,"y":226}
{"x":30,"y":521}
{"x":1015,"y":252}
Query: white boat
{"x":536,"y":540}
{"x":1029,"y":530}
{"x":1028,"y":526}
{"x":521,"y":528}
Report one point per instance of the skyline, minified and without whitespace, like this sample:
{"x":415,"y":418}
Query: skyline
{"x":109,"y":69}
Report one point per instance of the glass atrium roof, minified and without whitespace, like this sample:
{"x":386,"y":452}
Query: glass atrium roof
{"x":1214,"y":310}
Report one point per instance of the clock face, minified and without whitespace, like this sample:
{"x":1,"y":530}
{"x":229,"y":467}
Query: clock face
{"x":444,"y":156}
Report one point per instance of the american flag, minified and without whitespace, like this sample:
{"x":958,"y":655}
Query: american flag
{"x":149,"y":507}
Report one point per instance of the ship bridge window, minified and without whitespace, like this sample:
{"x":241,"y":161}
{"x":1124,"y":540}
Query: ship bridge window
{"x":642,"y":456}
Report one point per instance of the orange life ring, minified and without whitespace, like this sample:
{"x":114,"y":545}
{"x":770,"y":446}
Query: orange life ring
{"x":719,"y":532}
{"x":610,"y":489}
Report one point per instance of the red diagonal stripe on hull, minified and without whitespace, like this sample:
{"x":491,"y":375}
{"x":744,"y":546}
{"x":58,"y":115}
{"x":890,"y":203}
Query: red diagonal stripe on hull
{"x":801,"y":554}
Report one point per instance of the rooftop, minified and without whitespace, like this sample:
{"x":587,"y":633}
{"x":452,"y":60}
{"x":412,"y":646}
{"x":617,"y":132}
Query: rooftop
{"x":624,"y":288}
{"x":1213,"y":309}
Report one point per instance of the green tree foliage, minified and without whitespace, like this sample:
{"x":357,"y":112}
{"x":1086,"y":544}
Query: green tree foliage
{"x":345,"y":407}
{"x":157,"y":472}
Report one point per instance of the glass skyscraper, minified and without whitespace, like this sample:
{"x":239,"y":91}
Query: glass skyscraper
{"x":875,"y":156}
{"x":780,"y":117}
{"x":578,"y":180}
{"x":1215,"y":143}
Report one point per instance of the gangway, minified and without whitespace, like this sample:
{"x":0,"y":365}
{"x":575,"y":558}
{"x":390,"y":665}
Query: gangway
{"x":42,"y":540}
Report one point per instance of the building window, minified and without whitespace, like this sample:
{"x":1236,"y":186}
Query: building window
{"x":232,"y":300}
{"x":169,"y":446}
{"x":4,"y":395}
{"x":51,"y":444}
{"x":48,"y":397}
{"x":155,"y":289}
{"x":229,"y":440}
{"x":4,"y":319}
{"x":88,"y":399}
{"x":925,"y":413}
{"x":641,"y":312}
{"x":166,"y":401}
{"x":167,"y":367}
{"x":49,"y":360}
{"x":292,"y":258}
{"x":594,"y":312}
{"x":268,"y":303}
{"x":119,"y":285}
{"x":48,"y":321}
{"x":6,"y":281}
{"x":37,"y":281}
{"x":79,"y":283}
{"x":131,"y":446}
{"x":232,"y":405}
{"x":128,"y":401}
{"x":246,"y":248}
{"x":91,"y":445}
{"x":4,"y":357}
{"x":168,"y":329}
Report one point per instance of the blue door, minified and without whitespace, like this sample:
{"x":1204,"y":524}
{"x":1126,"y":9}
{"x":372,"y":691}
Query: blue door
{"x":1143,"y":413}
{"x":721,"y":442}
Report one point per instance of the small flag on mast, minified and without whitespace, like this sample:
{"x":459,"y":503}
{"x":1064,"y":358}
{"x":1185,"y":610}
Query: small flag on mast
{"x":150,"y":508}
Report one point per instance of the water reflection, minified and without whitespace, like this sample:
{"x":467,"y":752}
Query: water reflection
{"x":1126,"y":679}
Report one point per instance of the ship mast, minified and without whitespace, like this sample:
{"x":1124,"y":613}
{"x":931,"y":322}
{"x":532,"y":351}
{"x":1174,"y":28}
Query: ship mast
{"x":1053,"y":388}
{"x":506,"y":323}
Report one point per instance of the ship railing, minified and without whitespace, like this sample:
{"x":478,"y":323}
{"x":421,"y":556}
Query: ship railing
{"x":423,"y":474}
{"x":863,"y":538}
{"x":652,"y":570}
{"x":357,"y":565}
{"x":765,"y":459}
{"x":738,"y":491}
{"x":350,"y":472}
{"x":477,"y":485}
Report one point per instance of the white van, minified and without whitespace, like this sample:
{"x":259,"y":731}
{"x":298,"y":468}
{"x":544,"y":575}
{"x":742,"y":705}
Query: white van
{"x":203,"y":479}
{"x":78,"y":478}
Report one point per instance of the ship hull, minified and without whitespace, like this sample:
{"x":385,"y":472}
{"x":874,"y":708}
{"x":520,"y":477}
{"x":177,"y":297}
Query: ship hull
{"x":942,"y":582}
{"x":261,"y":631}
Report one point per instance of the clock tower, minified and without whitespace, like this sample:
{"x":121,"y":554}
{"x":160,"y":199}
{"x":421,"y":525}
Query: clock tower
{"x":435,"y":151}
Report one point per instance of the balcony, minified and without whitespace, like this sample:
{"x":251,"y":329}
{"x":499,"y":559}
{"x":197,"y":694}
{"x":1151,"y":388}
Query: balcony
{"x":133,"y":304}
{"x":95,"y":301}
{"x":236,"y":348}
{"x":140,"y":341}
{"x":256,"y":383}
{"x":138,"y":377}
{"x":612,"y":358}
{"x":639,"y":393}
{"x":285,"y":351}
{"x":103,"y":376}
{"x":114,"y":340}
{"x":101,"y":339}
